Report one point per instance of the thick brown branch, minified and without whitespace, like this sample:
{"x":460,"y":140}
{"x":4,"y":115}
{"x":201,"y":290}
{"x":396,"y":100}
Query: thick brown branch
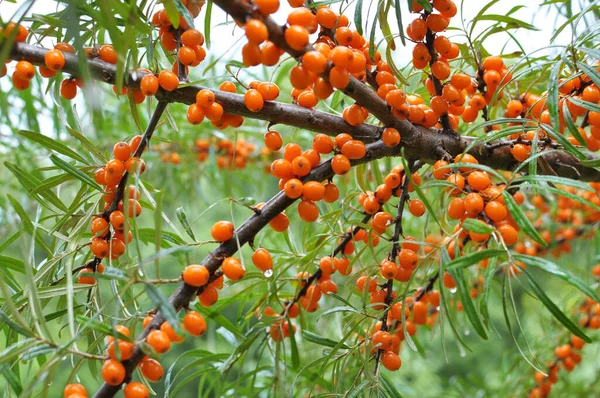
{"x":419,"y":143}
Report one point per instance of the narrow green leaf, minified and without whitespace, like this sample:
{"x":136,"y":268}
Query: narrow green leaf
{"x":320,"y":340}
{"x":477,"y":226}
{"x":294,"y":349}
{"x":555,"y":269}
{"x":555,"y":180}
{"x":521,"y":219}
{"x":358,"y":17}
{"x":473,"y":258}
{"x":185,"y":222}
{"x":52,"y":145}
{"x":75,"y":172}
{"x":558,"y":314}
{"x":467,"y":301}
{"x":389,"y":387}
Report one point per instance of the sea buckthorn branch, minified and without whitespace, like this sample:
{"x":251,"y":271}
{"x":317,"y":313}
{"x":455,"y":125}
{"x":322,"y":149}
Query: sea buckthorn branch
{"x":244,"y":234}
{"x":347,"y":237}
{"x":273,"y":111}
{"x":404,"y":196}
{"x":156,"y":115}
{"x":419,"y":142}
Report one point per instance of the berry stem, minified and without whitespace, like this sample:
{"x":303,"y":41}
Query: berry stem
{"x":393,"y":254}
{"x":317,"y":274}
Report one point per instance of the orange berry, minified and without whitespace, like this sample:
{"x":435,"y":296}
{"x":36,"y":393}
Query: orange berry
{"x":113,"y":372}
{"x":74,"y":388}
{"x":340,"y":164}
{"x":222,"y":231}
{"x":390,"y":137}
{"x":416,"y":208}
{"x":68,"y":89}
{"x":391,"y":361}
{"x":308,"y":211}
{"x":267,"y":6}
{"x":125,"y":350}
{"x":159,"y":341}
{"x":108,"y":54}
{"x":168,"y":80}
{"x":194,"y":323}
{"x":437,"y":23}
{"x":151,"y":369}
{"x":196,"y":275}
{"x":273,"y":140}
{"x":269,"y":91}
{"x":54,"y":60}
{"x":86,"y":280}
{"x":233,"y":269}
{"x":253,"y":100}
{"x":296,"y":37}
{"x":136,"y":390}
{"x":293,"y":188}
{"x":256,"y":31}
{"x":261,"y":258}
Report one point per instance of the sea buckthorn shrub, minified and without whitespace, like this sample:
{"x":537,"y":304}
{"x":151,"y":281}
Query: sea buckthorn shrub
{"x":329,"y":202}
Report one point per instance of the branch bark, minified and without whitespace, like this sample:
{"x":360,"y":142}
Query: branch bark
{"x":419,"y":143}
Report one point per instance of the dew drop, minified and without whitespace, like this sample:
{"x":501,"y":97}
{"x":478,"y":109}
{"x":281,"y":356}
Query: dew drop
{"x":268,"y":273}
{"x":453,"y":290}
{"x":467,"y":332}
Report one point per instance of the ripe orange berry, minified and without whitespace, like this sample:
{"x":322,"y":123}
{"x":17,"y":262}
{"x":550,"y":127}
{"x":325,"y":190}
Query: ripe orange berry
{"x":125,"y":350}
{"x":441,"y":70}
{"x":474,"y":204}
{"x":273,"y":140}
{"x":108,"y":54}
{"x":354,"y":149}
{"x":496,"y":211}
{"x":296,"y":37}
{"x":314,"y":61}
{"x":417,"y":29}
{"x":113,"y":372}
{"x":391,"y":361}
{"x":308,"y":211}
{"x":340,"y":164}
{"x":159,"y":341}
{"x":416,"y":207}
{"x":186,"y":55}
{"x":122,"y":151}
{"x":390,"y":137}
{"x":25,"y":69}
{"x":194,"y":323}
{"x":222,"y":231}
{"x":209,"y":296}
{"x":83,"y":279}
{"x":509,"y":234}
{"x":75,"y":388}
{"x":521,"y":152}
{"x":456,"y":209}
{"x":437,"y":23}
{"x":68,"y":89}
{"x":99,"y":247}
{"x":478,"y":180}
{"x":293,"y":188}
{"x":269,"y":91}
{"x":388,"y":269}
{"x":196,"y":275}
{"x":192,"y":38}
{"x":151,"y":369}
{"x":168,"y":80}
{"x":54,"y":60}
{"x":493,"y":63}
{"x":301,"y":166}
{"x":261,"y":258}
{"x":267,"y":6}
{"x":136,"y":390}
{"x":233,"y":269}
{"x":256,"y":31}
{"x":332,"y":193}
{"x":382,"y":340}
{"x":253,"y":100}
{"x":171,"y":333}
{"x":314,"y":191}
{"x":338,"y":77}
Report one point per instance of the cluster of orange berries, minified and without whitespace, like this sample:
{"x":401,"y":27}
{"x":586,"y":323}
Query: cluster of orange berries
{"x":113,"y":370}
{"x":297,"y":164}
{"x":535,"y":107}
{"x":103,"y":243}
{"x":410,"y":312}
{"x":483,"y":200}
